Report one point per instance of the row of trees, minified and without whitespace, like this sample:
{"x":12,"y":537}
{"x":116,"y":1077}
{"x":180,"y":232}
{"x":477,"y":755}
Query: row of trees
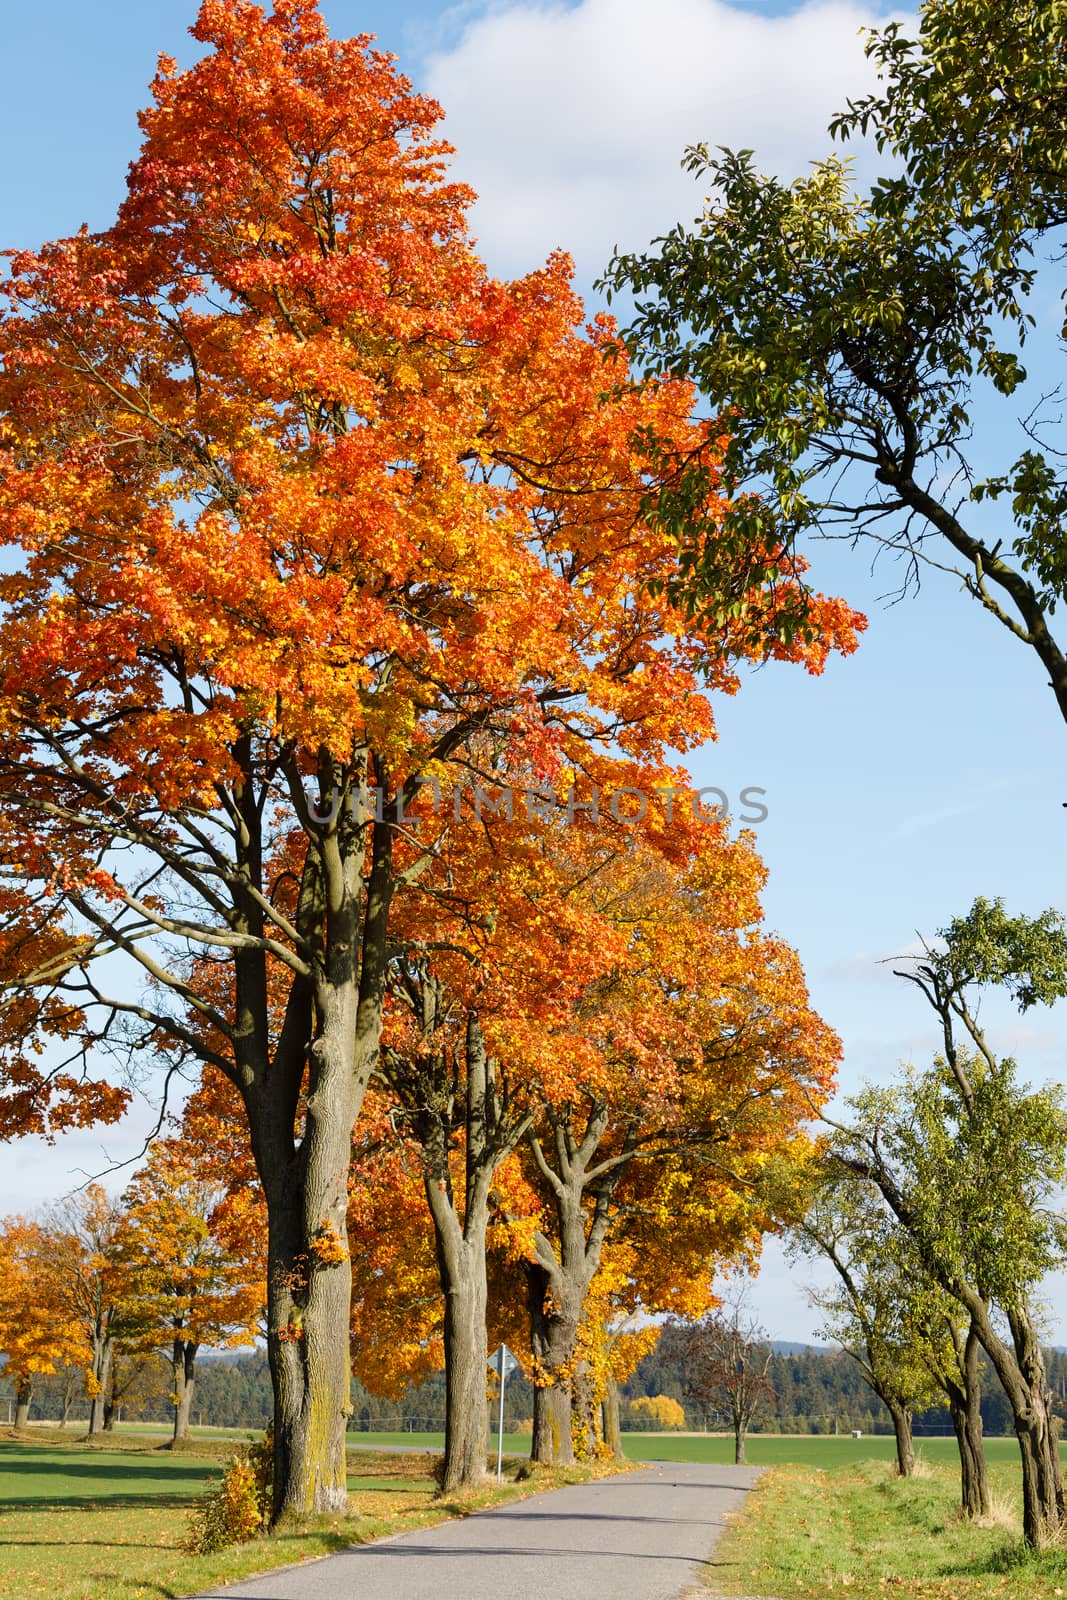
{"x":343,"y":685}
{"x":339,"y":563}
{"x":97,"y":1290}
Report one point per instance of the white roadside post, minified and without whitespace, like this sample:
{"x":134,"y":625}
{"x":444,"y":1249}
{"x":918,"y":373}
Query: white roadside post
{"x":502,"y":1362}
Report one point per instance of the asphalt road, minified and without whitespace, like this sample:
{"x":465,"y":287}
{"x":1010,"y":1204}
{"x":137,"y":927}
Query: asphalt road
{"x":641,"y":1536}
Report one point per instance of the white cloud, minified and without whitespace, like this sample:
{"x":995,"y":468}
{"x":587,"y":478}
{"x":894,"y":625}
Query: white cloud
{"x":570,"y":122}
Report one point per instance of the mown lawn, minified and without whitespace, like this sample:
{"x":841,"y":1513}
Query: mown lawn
{"x":82,"y":1522}
{"x":857,"y":1530}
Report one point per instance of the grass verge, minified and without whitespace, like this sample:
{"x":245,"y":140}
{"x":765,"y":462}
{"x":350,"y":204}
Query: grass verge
{"x":79,"y":1521}
{"x":860,"y":1531}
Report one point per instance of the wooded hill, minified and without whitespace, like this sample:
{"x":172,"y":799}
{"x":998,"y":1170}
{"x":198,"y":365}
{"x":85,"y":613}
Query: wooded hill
{"x":816,"y":1390}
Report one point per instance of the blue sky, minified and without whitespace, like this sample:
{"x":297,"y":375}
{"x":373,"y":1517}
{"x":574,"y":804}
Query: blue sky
{"x":924,"y":770}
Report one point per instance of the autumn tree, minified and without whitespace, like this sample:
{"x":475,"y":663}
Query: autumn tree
{"x":967,"y":1160}
{"x":38,"y":1334}
{"x":709,"y":1061}
{"x":478,"y":1006}
{"x":301,"y":504}
{"x":859,"y":340}
{"x":186,"y":1288}
{"x":724,"y":1357}
{"x":78,"y":1253}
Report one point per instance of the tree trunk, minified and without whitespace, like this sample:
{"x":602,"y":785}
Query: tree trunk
{"x":585,"y":1414}
{"x":553,"y":1331}
{"x":307,"y":1341}
{"x":1037,"y":1429}
{"x":461,"y":1265}
{"x":612,"y":1422}
{"x":557,"y":1284}
{"x":1021,"y":1370}
{"x":552,"y":1442}
{"x":974,"y":1482}
{"x":965,"y":1406}
{"x":103,"y":1358}
{"x":23,"y":1396}
{"x":740,"y":1434}
{"x":184,"y":1369}
{"x":460,"y":1242}
{"x":901,"y":1416}
{"x":302,"y":1101}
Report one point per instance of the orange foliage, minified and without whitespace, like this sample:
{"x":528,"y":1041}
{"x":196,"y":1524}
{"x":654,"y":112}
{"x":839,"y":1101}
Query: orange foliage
{"x":37,"y":1330}
{"x":184,"y":1281}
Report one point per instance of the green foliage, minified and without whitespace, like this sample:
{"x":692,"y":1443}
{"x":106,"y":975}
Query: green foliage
{"x":978,"y":1186}
{"x":841,"y":336}
{"x":881,"y":1309}
{"x":1027,"y":956}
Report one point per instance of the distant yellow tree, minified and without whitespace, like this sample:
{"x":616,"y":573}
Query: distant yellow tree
{"x":660,"y":1409}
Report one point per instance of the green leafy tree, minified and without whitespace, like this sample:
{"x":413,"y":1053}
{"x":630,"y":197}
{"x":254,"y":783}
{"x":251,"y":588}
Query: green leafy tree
{"x":969,"y":1161}
{"x":907,"y":1337}
{"x":846,"y":337}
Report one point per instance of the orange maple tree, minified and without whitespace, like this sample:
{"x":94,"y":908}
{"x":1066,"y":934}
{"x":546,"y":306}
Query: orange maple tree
{"x":78,"y":1254}
{"x":693,"y":1064}
{"x":38,"y":1334}
{"x":305,"y":506}
{"x":191,"y":1282}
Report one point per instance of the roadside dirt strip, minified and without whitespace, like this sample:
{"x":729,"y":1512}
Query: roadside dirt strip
{"x":641,"y":1536}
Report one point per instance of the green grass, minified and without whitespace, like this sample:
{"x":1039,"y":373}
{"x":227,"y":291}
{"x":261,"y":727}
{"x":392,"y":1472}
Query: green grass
{"x":764,"y":1449}
{"x":774,"y":1449}
{"x":86,"y":1521}
{"x":857,"y":1530}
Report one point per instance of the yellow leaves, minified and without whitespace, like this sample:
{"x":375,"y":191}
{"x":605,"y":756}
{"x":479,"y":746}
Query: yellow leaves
{"x":328,"y":1248}
{"x":661,"y":1409}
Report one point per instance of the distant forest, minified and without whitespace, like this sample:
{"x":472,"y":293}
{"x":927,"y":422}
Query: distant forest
{"x":816,"y":1391}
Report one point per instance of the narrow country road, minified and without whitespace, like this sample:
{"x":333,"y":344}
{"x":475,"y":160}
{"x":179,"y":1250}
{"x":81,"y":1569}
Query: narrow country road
{"x":641,"y":1536}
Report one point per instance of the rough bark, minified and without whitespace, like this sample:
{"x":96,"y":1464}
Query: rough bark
{"x":558,"y":1279}
{"x":183,"y":1365}
{"x":307,"y":1317}
{"x":325,"y":1050}
{"x":1020,"y":1367}
{"x":901,"y":1416}
{"x":612,"y":1419}
{"x":552,"y":1440}
{"x":740,"y":1435}
{"x":23,"y":1396}
{"x":963,"y":1391}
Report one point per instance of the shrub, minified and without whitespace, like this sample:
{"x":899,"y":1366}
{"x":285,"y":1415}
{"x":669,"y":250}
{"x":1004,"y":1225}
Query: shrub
{"x":238,"y":1507}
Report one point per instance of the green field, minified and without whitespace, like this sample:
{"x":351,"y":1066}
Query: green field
{"x":804,"y":1449}
{"x":764,"y":1449}
{"x":81,"y":1521}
